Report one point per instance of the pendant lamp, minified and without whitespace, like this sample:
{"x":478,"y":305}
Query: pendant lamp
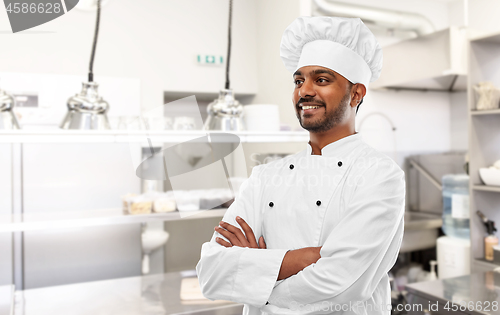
{"x":87,"y":110}
{"x":8,"y":120}
{"x":225,"y":113}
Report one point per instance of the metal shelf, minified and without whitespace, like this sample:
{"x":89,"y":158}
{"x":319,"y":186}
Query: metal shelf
{"x":487,"y":38}
{"x":72,"y":219}
{"x":485,"y":112}
{"x":486,"y":188}
{"x":484,"y":62}
{"x":125,"y":136}
{"x":486,"y":263}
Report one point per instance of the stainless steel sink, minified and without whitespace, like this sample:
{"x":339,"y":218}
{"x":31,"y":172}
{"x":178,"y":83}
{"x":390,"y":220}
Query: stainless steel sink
{"x":421,"y":231}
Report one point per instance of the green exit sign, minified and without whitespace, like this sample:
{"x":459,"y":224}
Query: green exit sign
{"x":210,"y":60}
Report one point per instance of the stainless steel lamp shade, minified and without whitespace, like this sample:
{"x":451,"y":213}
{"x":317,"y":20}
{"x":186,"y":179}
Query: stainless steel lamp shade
{"x":86,"y":110}
{"x":8,"y":119}
{"x":225,"y":113}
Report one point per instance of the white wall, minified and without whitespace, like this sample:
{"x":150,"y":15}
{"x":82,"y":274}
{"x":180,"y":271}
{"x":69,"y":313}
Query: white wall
{"x":275,"y":83}
{"x":422,"y":121}
{"x":483,"y":16}
{"x":457,"y":13}
{"x":459,"y":122}
{"x":154,"y":41}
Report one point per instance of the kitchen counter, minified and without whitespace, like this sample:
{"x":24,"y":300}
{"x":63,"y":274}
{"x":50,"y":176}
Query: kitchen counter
{"x":145,"y":295}
{"x":477,"y":290}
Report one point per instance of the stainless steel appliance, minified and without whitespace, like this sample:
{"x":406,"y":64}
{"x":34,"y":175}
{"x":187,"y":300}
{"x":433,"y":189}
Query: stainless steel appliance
{"x":86,"y":110}
{"x":225,"y":113}
{"x":8,"y":119}
{"x":424,"y":204}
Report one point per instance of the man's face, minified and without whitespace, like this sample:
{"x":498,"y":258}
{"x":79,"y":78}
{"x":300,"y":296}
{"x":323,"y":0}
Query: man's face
{"x":327,"y":91}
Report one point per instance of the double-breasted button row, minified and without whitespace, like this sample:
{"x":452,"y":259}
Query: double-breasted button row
{"x":318,"y":203}
{"x":339,"y":164}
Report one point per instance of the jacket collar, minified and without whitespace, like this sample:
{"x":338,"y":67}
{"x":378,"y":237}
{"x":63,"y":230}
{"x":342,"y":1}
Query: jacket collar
{"x":340,"y":147}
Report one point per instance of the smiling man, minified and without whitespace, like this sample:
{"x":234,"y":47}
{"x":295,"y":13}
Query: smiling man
{"x":318,"y":231}
{"x":314,"y":86}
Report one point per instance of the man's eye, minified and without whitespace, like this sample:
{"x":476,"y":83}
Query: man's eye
{"x":321,"y":80}
{"x":297,"y":82}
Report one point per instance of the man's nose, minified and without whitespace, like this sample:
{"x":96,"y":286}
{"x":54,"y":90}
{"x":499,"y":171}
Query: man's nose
{"x":307,"y":90}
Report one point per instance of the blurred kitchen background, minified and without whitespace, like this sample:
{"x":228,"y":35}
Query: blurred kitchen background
{"x":74,"y":215}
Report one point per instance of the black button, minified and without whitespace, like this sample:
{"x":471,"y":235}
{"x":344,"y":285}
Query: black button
{"x":318,"y":203}
{"x":271,"y":204}
{"x":339,"y":163}
{"x":291,"y":166}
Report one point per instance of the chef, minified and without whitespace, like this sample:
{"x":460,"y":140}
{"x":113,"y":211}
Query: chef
{"x":317,"y":231}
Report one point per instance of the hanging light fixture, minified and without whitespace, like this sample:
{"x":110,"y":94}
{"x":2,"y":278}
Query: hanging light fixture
{"x":225,"y":113}
{"x":89,"y":5}
{"x":87,"y":110}
{"x":8,"y":119}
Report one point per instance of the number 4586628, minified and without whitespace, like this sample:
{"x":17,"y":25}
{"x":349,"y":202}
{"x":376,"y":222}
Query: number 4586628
{"x":25,"y":7}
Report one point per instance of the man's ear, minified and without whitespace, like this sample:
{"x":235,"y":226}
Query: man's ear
{"x":358,"y":92}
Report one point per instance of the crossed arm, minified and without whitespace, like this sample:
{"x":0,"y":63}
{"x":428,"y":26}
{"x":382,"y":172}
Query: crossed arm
{"x":294,"y":260}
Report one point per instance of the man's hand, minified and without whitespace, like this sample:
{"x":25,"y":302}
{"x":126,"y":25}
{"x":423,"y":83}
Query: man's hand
{"x":296,"y":260}
{"x":236,"y":237}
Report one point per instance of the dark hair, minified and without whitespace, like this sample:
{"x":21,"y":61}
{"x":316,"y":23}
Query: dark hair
{"x":357,"y":107}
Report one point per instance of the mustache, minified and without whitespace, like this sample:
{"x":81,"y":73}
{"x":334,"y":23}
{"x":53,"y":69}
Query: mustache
{"x":309,"y":100}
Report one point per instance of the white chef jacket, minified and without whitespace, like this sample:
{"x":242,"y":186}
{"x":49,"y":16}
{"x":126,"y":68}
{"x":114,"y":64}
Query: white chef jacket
{"x":349,"y":200}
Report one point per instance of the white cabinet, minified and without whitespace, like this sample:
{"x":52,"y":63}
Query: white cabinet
{"x":435,"y":62}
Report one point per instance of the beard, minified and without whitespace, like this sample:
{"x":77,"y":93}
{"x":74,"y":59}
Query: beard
{"x":328,"y":120}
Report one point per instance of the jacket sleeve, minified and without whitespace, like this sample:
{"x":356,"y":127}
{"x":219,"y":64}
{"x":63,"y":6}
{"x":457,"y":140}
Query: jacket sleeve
{"x":242,"y":275}
{"x":360,"y":250}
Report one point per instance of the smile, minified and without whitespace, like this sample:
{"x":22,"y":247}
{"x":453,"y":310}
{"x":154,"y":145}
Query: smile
{"x":310,"y":107}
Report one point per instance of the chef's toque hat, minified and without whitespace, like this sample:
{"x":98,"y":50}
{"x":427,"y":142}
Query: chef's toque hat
{"x":344,"y":45}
